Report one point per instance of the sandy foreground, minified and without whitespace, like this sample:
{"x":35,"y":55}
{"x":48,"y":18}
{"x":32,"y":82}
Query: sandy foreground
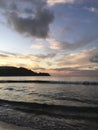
{"x":5,"y":126}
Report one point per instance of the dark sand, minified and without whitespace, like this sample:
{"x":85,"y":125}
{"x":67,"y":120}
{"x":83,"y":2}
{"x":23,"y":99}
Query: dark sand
{"x":6,"y":126}
{"x":46,"y":117}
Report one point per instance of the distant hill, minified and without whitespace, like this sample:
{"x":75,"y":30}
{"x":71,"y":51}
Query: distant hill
{"x":14,"y":71}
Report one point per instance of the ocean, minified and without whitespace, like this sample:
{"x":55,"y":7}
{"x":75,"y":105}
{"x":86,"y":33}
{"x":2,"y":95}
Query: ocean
{"x":50,"y":103}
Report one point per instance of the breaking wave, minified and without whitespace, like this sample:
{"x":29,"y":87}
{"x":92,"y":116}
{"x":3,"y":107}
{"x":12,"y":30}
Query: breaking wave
{"x":51,"y":82}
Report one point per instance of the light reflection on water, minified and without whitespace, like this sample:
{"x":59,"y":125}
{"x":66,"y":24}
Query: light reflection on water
{"x":59,"y":94}
{"x":51,"y":78}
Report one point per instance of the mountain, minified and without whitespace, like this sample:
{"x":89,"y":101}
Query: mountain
{"x":14,"y":71}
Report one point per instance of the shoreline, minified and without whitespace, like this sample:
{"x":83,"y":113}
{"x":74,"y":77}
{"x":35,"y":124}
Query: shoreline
{"x":30,"y":116}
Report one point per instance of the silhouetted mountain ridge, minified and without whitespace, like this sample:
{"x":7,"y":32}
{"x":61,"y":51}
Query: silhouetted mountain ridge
{"x":14,"y":71}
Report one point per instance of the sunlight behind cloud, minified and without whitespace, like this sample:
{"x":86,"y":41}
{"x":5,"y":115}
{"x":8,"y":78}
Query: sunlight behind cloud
{"x":52,"y":2}
{"x":37,"y":46}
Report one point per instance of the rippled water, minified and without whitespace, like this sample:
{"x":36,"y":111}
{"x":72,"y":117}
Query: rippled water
{"x":56,"y":94}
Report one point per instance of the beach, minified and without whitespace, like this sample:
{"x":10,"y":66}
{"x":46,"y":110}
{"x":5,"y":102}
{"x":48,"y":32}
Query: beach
{"x":46,"y":117}
{"x":6,"y":126}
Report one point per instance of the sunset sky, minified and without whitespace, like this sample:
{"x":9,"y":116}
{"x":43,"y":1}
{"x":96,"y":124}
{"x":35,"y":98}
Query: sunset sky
{"x":55,"y":36}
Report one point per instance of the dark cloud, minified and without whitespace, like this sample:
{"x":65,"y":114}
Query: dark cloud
{"x":39,"y":68}
{"x":2,"y":4}
{"x":29,"y":11}
{"x":29,"y":17}
{"x":3,"y":56}
{"x":94,"y":58}
{"x":52,"y":55}
{"x":43,"y":57}
{"x":38,"y":26}
{"x":66,"y":69}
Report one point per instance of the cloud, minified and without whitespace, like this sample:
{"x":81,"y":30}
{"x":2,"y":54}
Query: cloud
{"x":72,"y":72}
{"x":52,"y":55}
{"x":3,"y":56}
{"x":37,"y":46}
{"x":37,"y":26}
{"x":59,"y":45}
{"x":65,"y":69}
{"x":8,"y":58}
{"x":70,"y":62}
{"x":38,"y":68}
{"x":8,"y":54}
{"x":41,"y":57}
{"x":92,"y":9}
{"x":78,"y":61}
{"x":94,"y":58}
{"x":52,"y":2}
{"x":2,"y":4}
{"x":31,"y":17}
{"x":54,"y":44}
{"x":85,"y":73}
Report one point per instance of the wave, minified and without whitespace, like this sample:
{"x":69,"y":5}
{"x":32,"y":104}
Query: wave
{"x":87,"y":101}
{"x":51,"y":82}
{"x":48,"y":117}
{"x":80,"y":112}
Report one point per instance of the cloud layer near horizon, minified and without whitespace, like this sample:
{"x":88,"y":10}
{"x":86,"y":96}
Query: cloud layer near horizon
{"x":85,"y":61}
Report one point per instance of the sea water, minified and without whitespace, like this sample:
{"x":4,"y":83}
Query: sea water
{"x":50,"y":103}
{"x":64,"y":91}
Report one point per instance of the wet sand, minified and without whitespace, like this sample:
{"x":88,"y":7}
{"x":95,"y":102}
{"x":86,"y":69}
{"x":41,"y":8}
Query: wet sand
{"x":32,"y":116}
{"x":6,"y":126}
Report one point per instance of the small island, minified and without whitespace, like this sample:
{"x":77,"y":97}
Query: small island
{"x":14,"y":71}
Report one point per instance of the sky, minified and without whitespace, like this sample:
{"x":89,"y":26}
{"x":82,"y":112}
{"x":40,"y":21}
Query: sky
{"x":55,"y":36}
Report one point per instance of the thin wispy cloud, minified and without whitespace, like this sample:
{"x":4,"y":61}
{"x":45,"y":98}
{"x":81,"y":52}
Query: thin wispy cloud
{"x":92,"y":9}
{"x":80,"y":60}
{"x":37,"y":46}
{"x":7,"y":58}
{"x":64,"y":45}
